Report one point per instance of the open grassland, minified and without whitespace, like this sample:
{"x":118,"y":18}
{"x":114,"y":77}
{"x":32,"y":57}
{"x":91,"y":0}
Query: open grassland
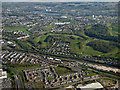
{"x":78,"y":41}
{"x":39,"y":85}
{"x":17,"y":28}
{"x":81,"y":49}
{"x":60,"y":70}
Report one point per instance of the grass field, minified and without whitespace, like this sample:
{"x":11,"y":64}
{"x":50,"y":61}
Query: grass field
{"x":63,"y":70}
{"x":74,"y":46}
{"x":18,"y":28}
{"x":24,"y":66}
{"x":39,"y":85}
{"x":82,"y":50}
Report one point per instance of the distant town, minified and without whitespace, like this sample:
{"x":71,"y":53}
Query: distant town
{"x":60,"y":45}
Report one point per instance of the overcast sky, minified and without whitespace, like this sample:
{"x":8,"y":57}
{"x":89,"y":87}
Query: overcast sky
{"x":59,"y":0}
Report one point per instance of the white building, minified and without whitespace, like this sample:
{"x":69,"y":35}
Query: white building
{"x":63,"y":17}
{"x":60,"y":23}
{"x":3,"y":74}
{"x":91,"y":86}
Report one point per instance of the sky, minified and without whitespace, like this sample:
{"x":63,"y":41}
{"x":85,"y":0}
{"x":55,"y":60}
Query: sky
{"x":60,"y":0}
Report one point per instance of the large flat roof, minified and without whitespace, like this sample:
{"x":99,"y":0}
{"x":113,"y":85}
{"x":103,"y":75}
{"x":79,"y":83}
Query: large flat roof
{"x":92,"y":86}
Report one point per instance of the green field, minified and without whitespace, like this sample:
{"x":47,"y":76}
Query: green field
{"x":17,"y":28}
{"x":23,"y":66}
{"x":39,"y":85}
{"x":60,"y":70}
{"x":77,"y":42}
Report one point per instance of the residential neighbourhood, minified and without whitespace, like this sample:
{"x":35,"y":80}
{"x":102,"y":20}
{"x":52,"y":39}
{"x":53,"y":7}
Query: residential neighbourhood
{"x":60,"y":45}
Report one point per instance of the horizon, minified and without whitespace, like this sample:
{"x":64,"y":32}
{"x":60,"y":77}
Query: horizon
{"x":60,"y":1}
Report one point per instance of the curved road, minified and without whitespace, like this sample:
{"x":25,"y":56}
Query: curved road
{"x":18,"y":80}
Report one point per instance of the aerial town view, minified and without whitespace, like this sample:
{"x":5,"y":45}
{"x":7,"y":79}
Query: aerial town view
{"x":56,"y":45}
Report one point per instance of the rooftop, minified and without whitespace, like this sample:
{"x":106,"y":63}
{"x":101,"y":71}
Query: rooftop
{"x":93,"y":85}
